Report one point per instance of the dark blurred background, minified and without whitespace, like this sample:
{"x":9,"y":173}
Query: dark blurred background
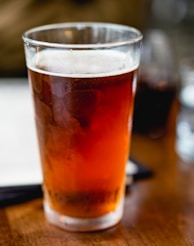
{"x":16,"y":16}
{"x":174,"y":17}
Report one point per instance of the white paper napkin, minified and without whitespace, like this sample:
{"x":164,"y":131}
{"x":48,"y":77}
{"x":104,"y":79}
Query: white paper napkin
{"x":19,"y":160}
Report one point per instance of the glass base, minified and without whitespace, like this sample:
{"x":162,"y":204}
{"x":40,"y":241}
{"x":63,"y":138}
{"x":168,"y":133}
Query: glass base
{"x":89,"y":224}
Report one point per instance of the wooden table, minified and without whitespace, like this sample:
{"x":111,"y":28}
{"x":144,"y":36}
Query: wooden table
{"x":158,"y":210}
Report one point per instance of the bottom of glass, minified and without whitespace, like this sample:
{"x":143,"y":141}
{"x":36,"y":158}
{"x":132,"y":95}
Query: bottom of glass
{"x":89,"y":224}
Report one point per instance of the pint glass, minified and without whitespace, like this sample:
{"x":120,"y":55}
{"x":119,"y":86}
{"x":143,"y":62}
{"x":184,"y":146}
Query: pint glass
{"x":83,"y":81}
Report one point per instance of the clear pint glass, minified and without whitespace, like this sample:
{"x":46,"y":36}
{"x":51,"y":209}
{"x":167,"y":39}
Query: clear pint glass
{"x":83,"y":82}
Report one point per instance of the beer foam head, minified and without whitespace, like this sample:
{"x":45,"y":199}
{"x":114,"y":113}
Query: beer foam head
{"x":79,"y":63}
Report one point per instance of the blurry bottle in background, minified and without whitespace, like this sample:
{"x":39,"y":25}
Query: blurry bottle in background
{"x":156,"y":87}
{"x":185,"y":118}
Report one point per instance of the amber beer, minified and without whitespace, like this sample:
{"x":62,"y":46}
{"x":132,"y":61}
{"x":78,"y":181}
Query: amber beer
{"x":83,"y":120}
{"x":83,"y":80}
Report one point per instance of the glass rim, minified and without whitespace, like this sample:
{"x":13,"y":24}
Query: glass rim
{"x":27,"y":40}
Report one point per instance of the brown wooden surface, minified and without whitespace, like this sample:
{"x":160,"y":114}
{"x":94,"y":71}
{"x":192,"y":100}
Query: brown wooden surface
{"x":158,"y":211}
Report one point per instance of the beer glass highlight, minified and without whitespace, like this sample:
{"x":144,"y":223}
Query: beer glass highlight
{"x":83,"y":81}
